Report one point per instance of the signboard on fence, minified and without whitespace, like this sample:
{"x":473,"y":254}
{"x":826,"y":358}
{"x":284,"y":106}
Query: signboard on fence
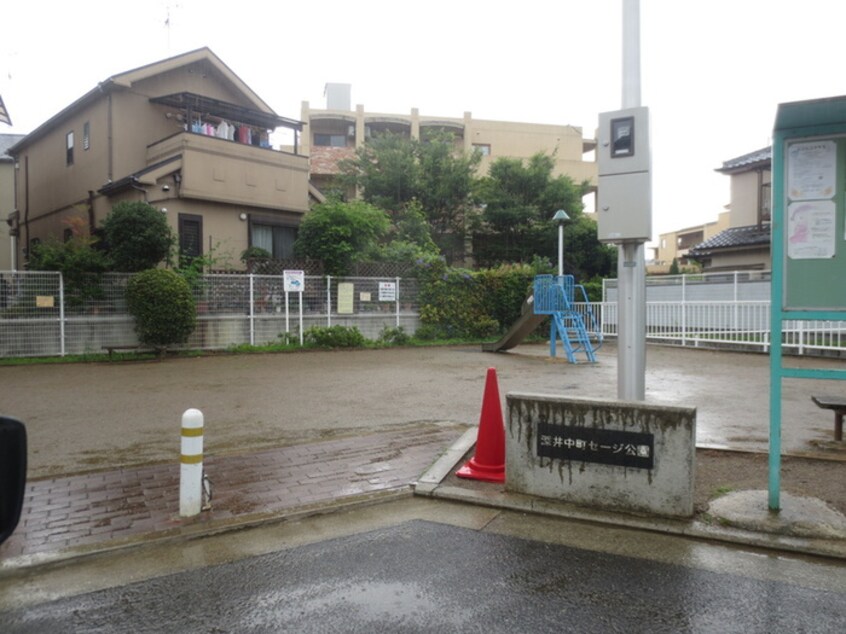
{"x":294,"y":281}
{"x":387,"y":291}
{"x":346,"y":298}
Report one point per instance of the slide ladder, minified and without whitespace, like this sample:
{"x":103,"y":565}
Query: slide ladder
{"x":554,"y":296}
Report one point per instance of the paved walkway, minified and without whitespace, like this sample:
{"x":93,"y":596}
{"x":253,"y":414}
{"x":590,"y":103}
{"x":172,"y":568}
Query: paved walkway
{"x":99,"y":510}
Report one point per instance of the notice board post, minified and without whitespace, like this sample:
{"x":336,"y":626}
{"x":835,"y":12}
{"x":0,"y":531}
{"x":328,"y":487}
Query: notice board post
{"x":808,"y":240}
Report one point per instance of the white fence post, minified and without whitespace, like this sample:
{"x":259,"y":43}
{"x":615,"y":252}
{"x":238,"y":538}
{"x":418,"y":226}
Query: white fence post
{"x":398,"y":302}
{"x":329,"y":300}
{"x":61,"y":315}
{"x":684,"y":309}
{"x":252,"y":311}
{"x":801,"y":326}
{"x":191,"y":464}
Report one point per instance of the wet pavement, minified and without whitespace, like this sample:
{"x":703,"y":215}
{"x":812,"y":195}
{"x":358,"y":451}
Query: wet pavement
{"x":75,"y":515}
{"x":376,"y":440}
{"x":424,"y":566}
{"x":84,"y":417}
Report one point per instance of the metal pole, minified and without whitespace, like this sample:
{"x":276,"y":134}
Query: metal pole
{"x":191,"y":467}
{"x":252,"y":312}
{"x":560,"y":249}
{"x":631,"y":323}
{"x":62,"y":314}
{"x":329,"y":300}
{"x":631,"y":264}
{"x":631,"y":53}
{"x":301,"y":318}
{"x":560,"y":216}
{"x":287,"y":313}
{"x":398,"y":302}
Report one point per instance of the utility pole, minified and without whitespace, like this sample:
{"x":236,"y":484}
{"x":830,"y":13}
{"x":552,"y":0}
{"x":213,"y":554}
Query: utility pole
{"x":624,"y":214}
{"x":631,"y":263}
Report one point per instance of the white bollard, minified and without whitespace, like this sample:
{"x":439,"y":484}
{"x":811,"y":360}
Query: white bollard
{"x":191,"y":468}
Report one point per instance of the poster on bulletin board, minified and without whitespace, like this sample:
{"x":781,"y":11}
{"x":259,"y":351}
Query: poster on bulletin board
{"x":814,"y":239}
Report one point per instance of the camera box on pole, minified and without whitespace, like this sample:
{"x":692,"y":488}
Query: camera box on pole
{"x":624,"y":209}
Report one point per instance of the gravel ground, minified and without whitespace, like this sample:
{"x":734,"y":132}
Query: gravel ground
{"x":83,"y":417}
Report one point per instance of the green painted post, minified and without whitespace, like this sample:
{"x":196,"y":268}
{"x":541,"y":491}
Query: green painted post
{"x":776,"y":285}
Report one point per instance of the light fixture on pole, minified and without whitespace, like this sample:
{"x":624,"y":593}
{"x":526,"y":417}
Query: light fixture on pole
{"x":559,"y":217}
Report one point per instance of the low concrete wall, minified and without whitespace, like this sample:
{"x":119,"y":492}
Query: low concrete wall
{"x":632,"y":457}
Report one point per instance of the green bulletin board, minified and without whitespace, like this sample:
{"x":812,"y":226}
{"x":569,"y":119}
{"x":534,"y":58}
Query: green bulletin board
{"x":814,"y":226}
{"x":808,"y":243}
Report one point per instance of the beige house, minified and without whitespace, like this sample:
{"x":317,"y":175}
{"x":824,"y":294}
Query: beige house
{"x":745,"y":243}
{"x":740,"y":238}
{"x":676,"y":245}
{"x":184,"y":134}
{"x":334,"y":134}
{"x":7,"y":200}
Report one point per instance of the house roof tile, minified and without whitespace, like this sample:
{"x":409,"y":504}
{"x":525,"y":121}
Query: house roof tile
{"x":732,"y":238}
{"x":758,"y":158}
{"x":7,"y":141}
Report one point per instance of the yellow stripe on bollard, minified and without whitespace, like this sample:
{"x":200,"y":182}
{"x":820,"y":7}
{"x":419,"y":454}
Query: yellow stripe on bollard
{"x":191,"y":464}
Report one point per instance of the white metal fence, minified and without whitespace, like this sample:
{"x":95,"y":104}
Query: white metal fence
{"x":41,"y":314}
{"x":719,"y":309}
{"x":734,"y":286}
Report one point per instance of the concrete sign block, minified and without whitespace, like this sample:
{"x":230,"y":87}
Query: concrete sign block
{"x":626,"y":456}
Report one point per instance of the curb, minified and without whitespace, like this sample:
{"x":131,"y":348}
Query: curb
{"x":431,"y":485}
{"x":28,"y":563}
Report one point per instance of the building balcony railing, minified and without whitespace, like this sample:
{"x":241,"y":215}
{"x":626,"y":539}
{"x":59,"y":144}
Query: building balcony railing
{"x":221,"y":170}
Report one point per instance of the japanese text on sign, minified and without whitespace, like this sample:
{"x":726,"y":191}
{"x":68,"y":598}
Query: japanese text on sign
{"x":294,"y":281}
{"x":387,"y":291}
{"x":604,"y":446}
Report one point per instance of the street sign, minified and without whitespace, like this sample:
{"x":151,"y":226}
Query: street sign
{"x":294,"y":281}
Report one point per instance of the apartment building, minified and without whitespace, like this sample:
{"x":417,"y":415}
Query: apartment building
{"x":335,"y":132}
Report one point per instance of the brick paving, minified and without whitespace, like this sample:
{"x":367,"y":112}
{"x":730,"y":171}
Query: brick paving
{"x":103,"y":509}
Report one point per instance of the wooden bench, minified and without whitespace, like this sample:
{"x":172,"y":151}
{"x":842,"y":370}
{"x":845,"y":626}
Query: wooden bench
{"x":838,"y":404}
{"x":111,"y":349}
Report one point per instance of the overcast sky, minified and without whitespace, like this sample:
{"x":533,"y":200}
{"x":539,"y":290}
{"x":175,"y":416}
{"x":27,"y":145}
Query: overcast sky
{"x":712,"y":72}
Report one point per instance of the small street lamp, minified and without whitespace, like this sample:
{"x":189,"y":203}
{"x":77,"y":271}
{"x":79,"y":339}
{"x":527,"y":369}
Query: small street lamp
{"x":559,"y":217}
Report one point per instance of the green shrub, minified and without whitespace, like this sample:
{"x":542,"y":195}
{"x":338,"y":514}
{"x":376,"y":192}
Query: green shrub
{"x":137,"y":236}
{"x":334,"y":337}
{"x":506,"y":288}
{"x":79,"y":262}
{"x":338,"y":233}
{"x":453,"y":302}
{"x":163,"y":306}
{"x":394,"y":336}
{"x":427,"y":332}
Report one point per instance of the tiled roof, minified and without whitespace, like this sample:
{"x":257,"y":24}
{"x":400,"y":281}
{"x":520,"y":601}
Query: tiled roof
{"x":747,"y":161}
{"x":751,"y":236}
{"x":7,"y":141}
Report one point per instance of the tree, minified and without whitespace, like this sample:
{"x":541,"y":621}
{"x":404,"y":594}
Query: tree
{"x":163,"y":306}
{"x":78,"y":260}
{"x":519,"y":201}
{"x":392,"y":171}
{"x":584,"y":255}
{"x":137,"y":236}
{"x":674,"y":267}
{"x":386,"y":170}
{"x":340,"y":233}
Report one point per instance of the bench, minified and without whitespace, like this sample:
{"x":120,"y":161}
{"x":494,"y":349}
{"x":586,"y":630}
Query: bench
{"x":838,"y":404}
{"x":111,"y":349}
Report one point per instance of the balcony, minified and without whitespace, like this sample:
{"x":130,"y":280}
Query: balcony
{"x":325,"y":159}
{"x":224,"y":171}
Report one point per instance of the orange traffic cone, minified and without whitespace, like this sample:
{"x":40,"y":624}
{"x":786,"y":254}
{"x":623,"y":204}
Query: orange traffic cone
{"x":488,"y":464}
